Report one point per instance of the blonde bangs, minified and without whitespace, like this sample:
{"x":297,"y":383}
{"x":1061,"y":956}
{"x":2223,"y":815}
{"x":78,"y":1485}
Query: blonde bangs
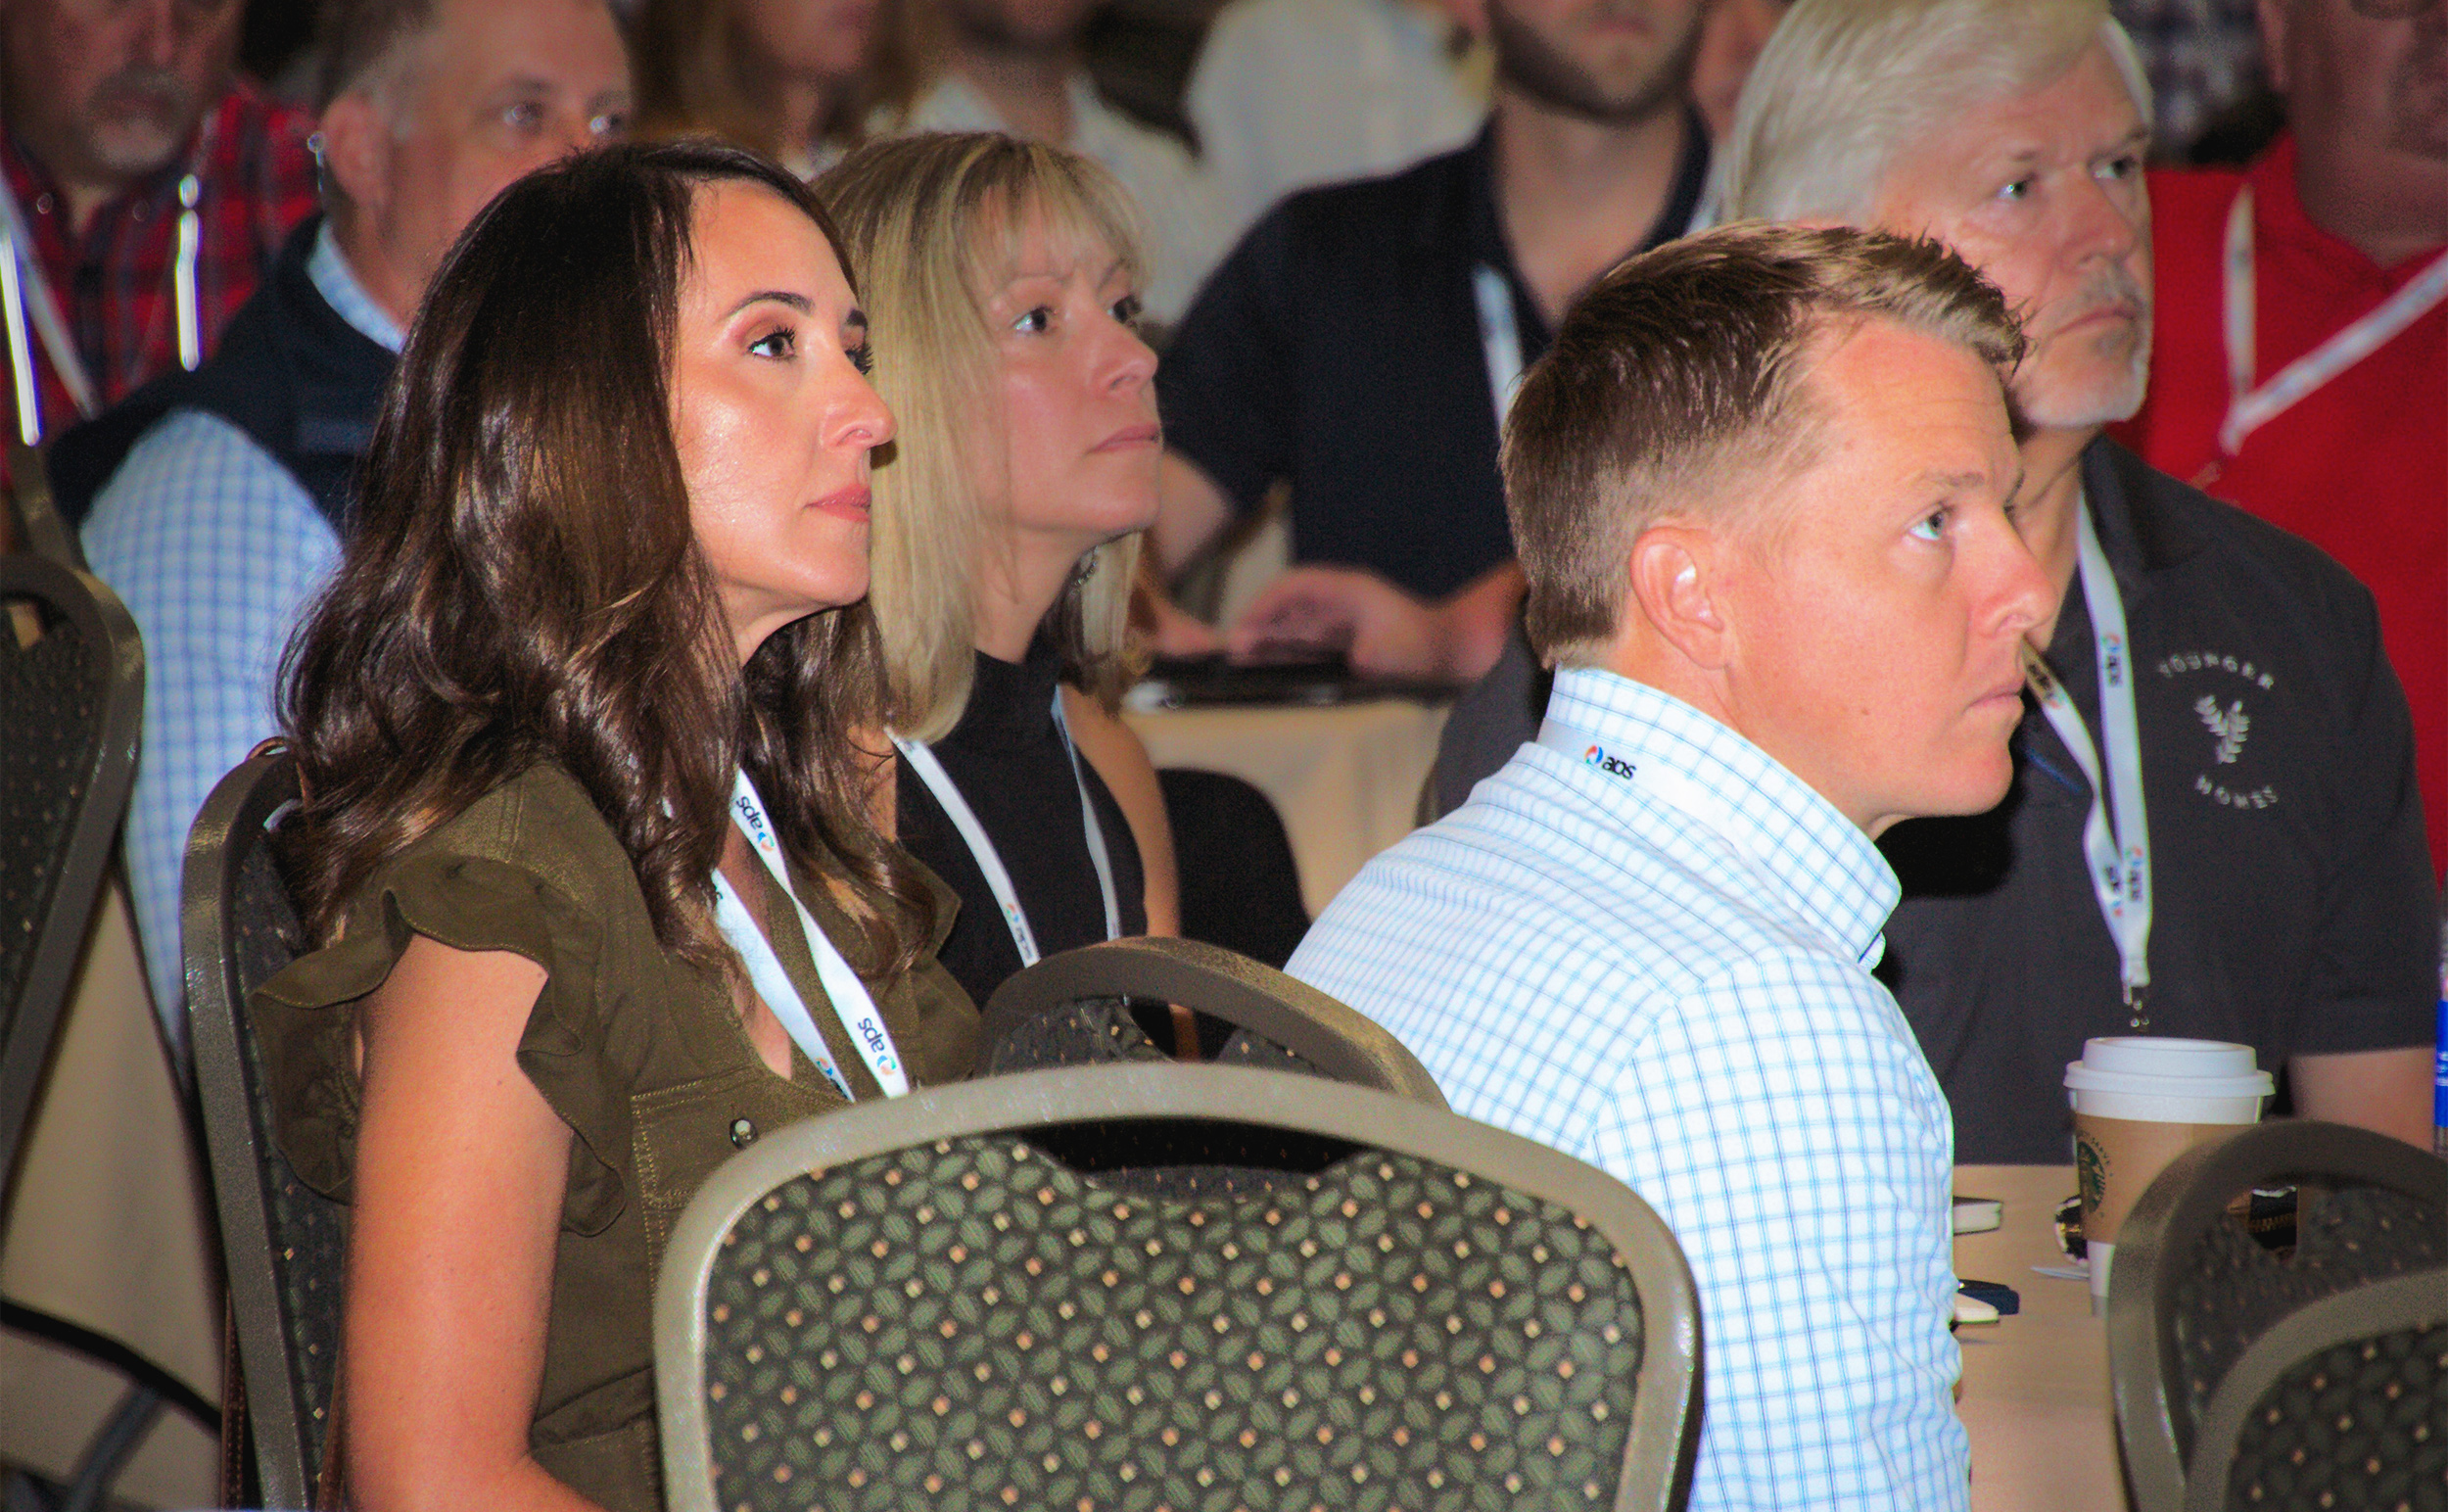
{"x":934,"y":224}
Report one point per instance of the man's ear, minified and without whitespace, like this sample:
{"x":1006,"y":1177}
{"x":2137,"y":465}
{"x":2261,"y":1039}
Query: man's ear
{"x":2273,"y":20}
{"x":356,"y":152}
{"x":1679,"y":581}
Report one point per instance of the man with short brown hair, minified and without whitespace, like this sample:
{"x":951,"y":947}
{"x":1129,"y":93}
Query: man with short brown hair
{"x":2215,"y":831}
{"x":1759,"y":487}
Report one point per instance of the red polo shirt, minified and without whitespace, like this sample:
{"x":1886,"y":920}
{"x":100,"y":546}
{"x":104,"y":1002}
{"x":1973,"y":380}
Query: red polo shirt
{"x":2360,"y":466}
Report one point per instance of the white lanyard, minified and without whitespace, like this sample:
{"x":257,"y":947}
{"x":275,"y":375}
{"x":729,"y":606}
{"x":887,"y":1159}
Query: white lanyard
{"x":1499,"y":337}
{"x":1680,"y":789}
{"x":28,"y":297}
{"x":982,"y":846}
{"x":2120,"y":860}
{"x":2249,"y":409}
{"x":852,"y":1004}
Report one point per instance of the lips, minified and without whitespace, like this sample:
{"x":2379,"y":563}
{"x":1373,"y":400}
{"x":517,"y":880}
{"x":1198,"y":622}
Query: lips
{"x":1130,"y":437}
{"x":850,"y":503}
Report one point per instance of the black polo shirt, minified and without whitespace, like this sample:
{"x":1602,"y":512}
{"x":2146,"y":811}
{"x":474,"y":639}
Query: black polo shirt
{"x":1338,"y":349}
{"x":2294,"y":908}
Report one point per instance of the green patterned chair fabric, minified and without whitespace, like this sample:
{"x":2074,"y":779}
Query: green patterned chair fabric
{"x":2343,"y":1407}
{"x":2230,"y":1289}
{"x":965,"y":1321}
{"x":71,"y":703}
{"x":2193,"y":1293}
{"x":1071,"y":1010}
{"x":285,"y":1245}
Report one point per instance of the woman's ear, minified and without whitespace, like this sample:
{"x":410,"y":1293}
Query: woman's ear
{"x":1678,"y":585}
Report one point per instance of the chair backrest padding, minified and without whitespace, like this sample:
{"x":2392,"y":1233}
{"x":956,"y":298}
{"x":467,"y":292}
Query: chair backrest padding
{"x":2342,"y":1404}
{"x":284,"y":1243}
{"x":71,"y":710}
{"x":2193,"y":1291}
{"x":1330,"y":1037}
{"x":911,"y":1301}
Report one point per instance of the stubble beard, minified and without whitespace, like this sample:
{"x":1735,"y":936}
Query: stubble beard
{"x":136,"y":121}
{"x":1528,"y":63}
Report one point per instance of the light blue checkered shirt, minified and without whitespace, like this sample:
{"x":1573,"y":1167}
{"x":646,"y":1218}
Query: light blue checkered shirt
{"x":1679,"y":993}
{"x":216,"y":550}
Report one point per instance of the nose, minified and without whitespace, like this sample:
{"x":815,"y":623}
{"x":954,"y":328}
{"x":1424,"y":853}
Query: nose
{"x":1132,"y":362}
{"x":859,"y":418}
{"x":2021,"y":596}
{"x":573,"y":131}
{"x":2105,"y":217}
{"x":156,"y":34}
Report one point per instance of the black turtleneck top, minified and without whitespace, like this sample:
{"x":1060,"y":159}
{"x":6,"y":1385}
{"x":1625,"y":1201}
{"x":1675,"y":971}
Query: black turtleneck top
{"x":1008,"y":761}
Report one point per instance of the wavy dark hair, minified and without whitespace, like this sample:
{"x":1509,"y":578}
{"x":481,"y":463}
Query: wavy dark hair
{"x":521,"y":583}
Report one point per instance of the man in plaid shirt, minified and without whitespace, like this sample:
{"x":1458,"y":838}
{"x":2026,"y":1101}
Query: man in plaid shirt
{"x":122,"y":115}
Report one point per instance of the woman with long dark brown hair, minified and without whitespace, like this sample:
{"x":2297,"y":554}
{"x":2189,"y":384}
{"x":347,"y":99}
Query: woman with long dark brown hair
{"x":584,"y":842}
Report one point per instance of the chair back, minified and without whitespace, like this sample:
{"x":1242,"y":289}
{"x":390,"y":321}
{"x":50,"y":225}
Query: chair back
{"x":911,"y":1303}
{"x":36,"y":509}
{"x":2342,"y":1404}
{"x":284,"y":1243}
{"x":2193,"y":1292}
{"x":72,"y":709}
{"x":1049,"y":1015}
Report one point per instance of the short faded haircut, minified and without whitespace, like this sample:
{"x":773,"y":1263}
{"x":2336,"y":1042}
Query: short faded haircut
{"x":1682,"y":377}
{"x":362,"y":43}
{"x":1843,"y":87}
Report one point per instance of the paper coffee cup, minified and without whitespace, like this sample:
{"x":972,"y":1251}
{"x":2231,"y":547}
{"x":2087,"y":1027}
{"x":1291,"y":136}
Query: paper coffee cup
{"x":2139,"y":1103}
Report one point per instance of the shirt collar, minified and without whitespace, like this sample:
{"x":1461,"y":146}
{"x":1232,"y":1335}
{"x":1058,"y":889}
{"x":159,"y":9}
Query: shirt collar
{"x":1483,"y":226}
{"x":1819,"y":861}
{"x":338,"y":283}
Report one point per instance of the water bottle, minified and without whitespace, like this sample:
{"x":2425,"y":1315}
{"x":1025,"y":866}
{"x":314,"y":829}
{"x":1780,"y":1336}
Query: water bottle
{"x":2439,"y":1057}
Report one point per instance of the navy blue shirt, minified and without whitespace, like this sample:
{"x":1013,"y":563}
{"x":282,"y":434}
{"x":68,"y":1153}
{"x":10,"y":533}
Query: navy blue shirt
{"x":1338,"y":349}
{"x":2293,"y":905}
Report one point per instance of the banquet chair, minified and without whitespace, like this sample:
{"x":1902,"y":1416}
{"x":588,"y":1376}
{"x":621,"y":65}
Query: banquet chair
{"x":1065,"y":1011}
{"x":911,"y":1304}
{"x":34,"y":514}
{"x":2194,"y":1295}
{"x":2341,"y":1404}
{"x":283,"y":1243}
{"x":72,"y":705}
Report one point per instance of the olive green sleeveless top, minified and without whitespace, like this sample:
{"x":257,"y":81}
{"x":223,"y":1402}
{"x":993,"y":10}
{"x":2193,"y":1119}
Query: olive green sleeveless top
{"x":642,"y":1056}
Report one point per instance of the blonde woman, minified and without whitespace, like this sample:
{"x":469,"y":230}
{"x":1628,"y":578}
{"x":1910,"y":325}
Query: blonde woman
{"x":1001,"y":277}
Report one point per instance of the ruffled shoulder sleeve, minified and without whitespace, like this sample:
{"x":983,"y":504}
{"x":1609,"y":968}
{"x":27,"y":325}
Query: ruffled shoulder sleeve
{"x":461,"y":887}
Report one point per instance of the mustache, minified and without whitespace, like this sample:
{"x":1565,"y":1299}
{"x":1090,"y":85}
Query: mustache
{"x":144,"y":86}
{"x":2112,"y":287}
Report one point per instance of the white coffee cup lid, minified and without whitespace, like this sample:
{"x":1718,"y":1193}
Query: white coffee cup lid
{"x":2184,"y":1067}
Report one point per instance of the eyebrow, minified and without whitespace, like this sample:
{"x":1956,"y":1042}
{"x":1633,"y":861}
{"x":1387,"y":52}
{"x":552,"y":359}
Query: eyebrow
{"x":1954,"y":482}
{"x":797,"y":301}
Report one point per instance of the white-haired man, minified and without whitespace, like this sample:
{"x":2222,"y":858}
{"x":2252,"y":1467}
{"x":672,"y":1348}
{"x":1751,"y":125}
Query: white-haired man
{"x":2215,"y":831}
{"x":221,"y":493}
{"x":1759,"y":486}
